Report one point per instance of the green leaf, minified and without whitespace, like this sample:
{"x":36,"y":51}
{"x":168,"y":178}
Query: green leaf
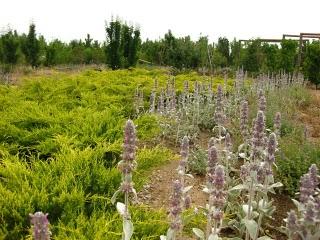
{"x":276,"y":185}
{"x":265,"y":238}
{"x":238,"y":187}
{"x":121,"y":208}
{"x":198,"y":232}
{"x":251,"y":226}
{"x":186,"y":189}
{"x":245,"y":208}
{"x":127,"y":229}
{"x":114,"y":197}
{"x":213,"y":237}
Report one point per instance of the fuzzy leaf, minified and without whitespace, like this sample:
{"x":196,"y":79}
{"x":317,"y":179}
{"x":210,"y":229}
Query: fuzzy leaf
{"x":238,"y":187}
{"x":245,"y":208}
{"x":121,"y":208}
{"x":114,"y":197}
{"x":170,"y":234}
{"x":242,"y":155}
{"x":206,"y":190}
{"x":198,"y":232}
{"x":251,"y":226}
{"x":189,"y":175}
{"x":276,"y":185}
{"x":187,"y":189}
{"x":298,"y":205}
{"x":127,"y":229}
{"x":162,"y":237}
{"x":213,"y":237}
{"x":265,"y":238}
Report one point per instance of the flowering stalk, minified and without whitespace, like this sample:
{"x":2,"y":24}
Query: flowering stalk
{"x":305,"y":222}
{"x":40,"y":226}
{"x":180,"y":198}
{"x":217,"y":197}
{"x":277,"y":124}
{"x":126,"y":166}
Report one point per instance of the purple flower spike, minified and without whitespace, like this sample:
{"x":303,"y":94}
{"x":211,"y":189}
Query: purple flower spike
{"x":228,"y":142}
{"x":176,"y":206}
{"x":129,"y":146}
{"x":244,"y":118}
{"x":218,"y":114}
{"x":212,"y":160}
{"x":262,"y":101}
{"x":313,"y":171}
{"x":184,"y":148}
{"x":258,"y":140}
{"x":306,"y":188}
{"x":271,"y":149}
{"x":277,"y":123}
{"x":40,"y":226}
{"x":292,"y":222}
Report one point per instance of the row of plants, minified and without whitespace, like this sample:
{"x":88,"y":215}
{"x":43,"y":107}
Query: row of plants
{"x":61,"y":140}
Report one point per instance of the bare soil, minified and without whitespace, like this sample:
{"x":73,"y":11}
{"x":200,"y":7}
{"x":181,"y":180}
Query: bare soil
{"x":310,"y":117}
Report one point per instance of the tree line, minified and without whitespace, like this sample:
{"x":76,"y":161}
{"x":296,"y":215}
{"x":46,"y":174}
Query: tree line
{"x":123,"y":47}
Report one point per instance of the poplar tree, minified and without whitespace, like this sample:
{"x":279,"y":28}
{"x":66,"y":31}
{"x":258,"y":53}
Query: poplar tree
{"x":31,"y":47}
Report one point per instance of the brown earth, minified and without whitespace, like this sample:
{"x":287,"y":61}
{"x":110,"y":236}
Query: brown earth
{"x":310,"y":117}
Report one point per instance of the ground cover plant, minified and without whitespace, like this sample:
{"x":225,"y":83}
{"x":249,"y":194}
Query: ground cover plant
{"x":61,"y":143}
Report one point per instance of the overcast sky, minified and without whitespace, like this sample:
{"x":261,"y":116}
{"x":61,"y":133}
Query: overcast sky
{"x":73,"y":19}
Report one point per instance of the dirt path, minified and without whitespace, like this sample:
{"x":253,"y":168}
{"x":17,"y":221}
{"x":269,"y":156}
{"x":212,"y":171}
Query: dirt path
{"x":310,"y":117}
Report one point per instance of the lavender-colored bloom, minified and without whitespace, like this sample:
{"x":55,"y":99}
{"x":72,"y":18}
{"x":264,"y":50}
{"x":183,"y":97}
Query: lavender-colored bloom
{"x":218,"y":193}
{"x":40,"y":226}
{"x":218,"y":114}
{"x":129,"y":149}
{"x":176,"y":206}
{"x":212,"y":162}
{"x":244,"y":172}
{"x":228,"y":142}
{"x":212,"y":142}
{"x":217,"y":215}
{"x":306,"y":188}
{"x":271,"y":149}
{"x":309,"y":215}
{"x":313,"y":171}
{"x":277,"y":123}
{"x":258,"y":140}
{"x":152,"y":102}
{"x":184,"y":147}
{"x":129,"y":146}
{"x":262,"y":101}
{"x":292,"y":222}
{"x":187,"y":202}
{"x":244,"y":118}
{"x":161,"y":103}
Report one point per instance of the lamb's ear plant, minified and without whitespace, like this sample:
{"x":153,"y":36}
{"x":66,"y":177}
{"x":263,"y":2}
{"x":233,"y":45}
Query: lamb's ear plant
{"x":304,"y":223}
{"x":40,"y":226}
{"x":215,"y":188}
{"x":180,"y":198}
{"x":126,"y":166}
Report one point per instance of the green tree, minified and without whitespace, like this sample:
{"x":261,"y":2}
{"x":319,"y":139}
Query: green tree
{"x":311,"y":64}
{"x":113,"y":30}
{"x":223,"y":49}
{"x":134,"y":47}
{"x":271,"y":54}
{"x":9,"y":48}
{"x":253,"y":56}
{"x":31,"y":48}
{"x":288,"y":53}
